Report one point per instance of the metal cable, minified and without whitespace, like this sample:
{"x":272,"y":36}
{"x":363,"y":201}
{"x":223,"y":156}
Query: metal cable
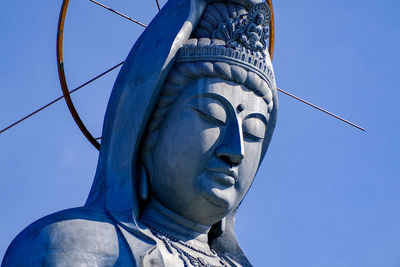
{"x":59,"y":98}
{"x":118,"y":13}
{"x":321,"y":109}
{"x":114,"y":67}
{"x":158,"y":5}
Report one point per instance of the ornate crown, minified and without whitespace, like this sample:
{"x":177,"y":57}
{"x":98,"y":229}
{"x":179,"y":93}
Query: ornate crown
{"x":241,"y":41}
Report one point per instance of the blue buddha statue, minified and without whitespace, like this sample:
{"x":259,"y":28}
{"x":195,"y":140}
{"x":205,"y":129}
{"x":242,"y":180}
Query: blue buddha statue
{"x":188,"y":123}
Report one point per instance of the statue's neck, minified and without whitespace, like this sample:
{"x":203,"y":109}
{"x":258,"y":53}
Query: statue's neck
{"x":169,"y":222}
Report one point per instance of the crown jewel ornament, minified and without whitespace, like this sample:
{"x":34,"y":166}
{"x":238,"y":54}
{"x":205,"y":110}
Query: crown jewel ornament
{"x":249,"y":30}
{"x":240,"y":41}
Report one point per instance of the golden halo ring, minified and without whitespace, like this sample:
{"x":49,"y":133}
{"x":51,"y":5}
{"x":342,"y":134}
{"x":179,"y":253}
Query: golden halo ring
{"x":63,"y":80}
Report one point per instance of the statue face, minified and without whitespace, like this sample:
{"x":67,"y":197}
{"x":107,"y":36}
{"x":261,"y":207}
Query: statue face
{"x":208,"y":150}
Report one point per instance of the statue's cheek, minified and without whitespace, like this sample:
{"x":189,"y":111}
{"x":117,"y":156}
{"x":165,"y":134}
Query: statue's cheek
{"x":249,"y":166}
{"x":209,"y":138}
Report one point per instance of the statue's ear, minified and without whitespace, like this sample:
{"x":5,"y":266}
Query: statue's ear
{"x":146,"y":151}
{"x":146,"y":167}
{"x":143,"y":185}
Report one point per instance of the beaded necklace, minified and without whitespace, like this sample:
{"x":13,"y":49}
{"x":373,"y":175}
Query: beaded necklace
{"x":187,"y":259}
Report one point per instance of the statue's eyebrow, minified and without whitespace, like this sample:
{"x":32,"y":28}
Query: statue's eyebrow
{"x":258,"y":116}
{"x":222,"y":100}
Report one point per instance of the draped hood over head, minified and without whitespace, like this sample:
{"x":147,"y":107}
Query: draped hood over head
{"x":132,"y":101}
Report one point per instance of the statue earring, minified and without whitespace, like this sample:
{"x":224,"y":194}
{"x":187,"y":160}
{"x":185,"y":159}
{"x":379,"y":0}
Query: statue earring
{"x":143,"y":184}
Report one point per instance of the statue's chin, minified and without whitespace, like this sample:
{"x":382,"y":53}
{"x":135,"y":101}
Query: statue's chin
{"x":219,"y":203}
{"x":220,"y":194}
{"x":216,"y":198}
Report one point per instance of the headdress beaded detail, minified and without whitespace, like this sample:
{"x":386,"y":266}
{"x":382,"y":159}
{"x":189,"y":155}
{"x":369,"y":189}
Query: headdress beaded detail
{"x":240,"y":39}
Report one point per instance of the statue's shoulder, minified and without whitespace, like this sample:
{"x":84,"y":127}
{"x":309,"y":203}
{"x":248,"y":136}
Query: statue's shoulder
{"x":72,"y":237}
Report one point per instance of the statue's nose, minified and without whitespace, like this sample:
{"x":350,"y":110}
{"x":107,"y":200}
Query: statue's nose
{"x":231,"y":148}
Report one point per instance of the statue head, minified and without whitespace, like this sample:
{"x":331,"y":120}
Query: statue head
{"x":206,"y":139}
{"x":193,"y":114}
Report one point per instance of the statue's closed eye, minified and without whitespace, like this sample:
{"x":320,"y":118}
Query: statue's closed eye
{"x":253,"y":129}
{"x":212,"y":112}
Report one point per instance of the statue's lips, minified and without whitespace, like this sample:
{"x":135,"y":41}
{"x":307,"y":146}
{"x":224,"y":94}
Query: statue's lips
{"x":223,"y":176}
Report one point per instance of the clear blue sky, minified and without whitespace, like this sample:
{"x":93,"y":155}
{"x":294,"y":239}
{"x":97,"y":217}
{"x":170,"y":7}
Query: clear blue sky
{"x":327,"y":195}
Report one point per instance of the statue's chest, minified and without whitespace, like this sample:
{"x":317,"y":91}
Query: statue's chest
{"x":178,"y":254}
